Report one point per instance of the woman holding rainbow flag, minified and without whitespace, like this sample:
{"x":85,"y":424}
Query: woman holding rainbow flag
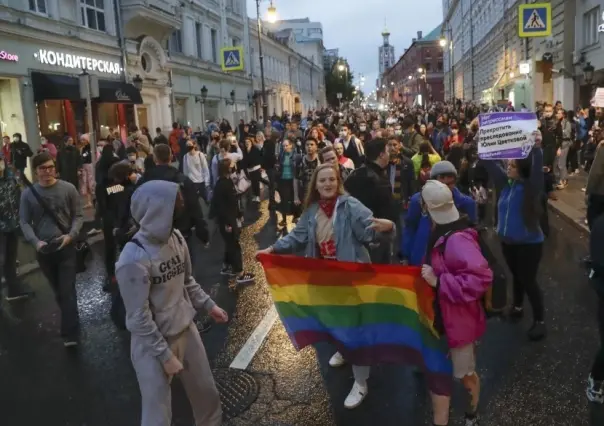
{"x":335,"y":226}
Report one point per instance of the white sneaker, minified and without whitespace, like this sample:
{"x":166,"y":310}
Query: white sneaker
{"x":356,"y":396}
{"x":337,"y":360}
{"x":256,"y":199}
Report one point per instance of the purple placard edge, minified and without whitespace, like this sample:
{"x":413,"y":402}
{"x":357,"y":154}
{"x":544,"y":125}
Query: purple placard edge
{"x":508,"y":154}
{"x":485,"y":119}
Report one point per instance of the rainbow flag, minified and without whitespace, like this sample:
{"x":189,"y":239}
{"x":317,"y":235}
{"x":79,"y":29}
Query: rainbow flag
{"x":372,"y":313}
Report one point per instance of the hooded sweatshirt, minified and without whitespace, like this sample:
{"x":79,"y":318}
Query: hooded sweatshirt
{"x":160,"y":293}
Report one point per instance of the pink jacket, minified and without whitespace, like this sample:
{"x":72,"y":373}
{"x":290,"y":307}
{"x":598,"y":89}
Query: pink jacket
{"x":464,"y":276}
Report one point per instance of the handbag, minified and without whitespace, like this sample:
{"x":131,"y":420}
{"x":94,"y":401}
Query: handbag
{"x":82,"y":247}
{"x":241,"y":181}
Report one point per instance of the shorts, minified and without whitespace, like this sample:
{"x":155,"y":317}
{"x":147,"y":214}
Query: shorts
{"x":464,"y":360}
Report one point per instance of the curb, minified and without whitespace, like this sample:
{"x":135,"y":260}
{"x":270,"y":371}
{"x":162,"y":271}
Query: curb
{"x":565,"y":212}
{"x":28,"y":268}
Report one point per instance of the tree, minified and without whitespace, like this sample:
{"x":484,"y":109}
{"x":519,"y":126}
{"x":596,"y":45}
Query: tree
{"x":338,"y":81}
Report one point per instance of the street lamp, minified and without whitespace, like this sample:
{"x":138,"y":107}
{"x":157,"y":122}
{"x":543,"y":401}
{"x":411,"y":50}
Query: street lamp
{"x":231,"y":101}
{"x":443,"y":42}
{"x":410,"y":77}
{"x":138,"y":82}
{"x":588,"y":72}
{"x":202,"y":100}
{"x":341,"y":67}
{"x":272,"y":14}
{"x":420,"y":70}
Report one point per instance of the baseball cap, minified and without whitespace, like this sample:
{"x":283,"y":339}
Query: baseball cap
{"x":443,"y":168}
{"x":438,"y":199}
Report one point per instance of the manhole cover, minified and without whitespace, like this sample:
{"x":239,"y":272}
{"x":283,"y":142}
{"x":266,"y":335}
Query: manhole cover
{"x":238,"y":390}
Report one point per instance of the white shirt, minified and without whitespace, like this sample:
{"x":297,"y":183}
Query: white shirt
{"x":195,"y":167}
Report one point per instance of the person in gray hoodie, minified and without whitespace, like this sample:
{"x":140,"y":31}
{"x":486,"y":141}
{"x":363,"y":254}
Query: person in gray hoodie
{"x":161,"y":296}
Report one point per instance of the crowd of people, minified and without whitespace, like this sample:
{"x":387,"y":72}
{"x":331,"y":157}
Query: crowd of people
{"x":404,"y":186}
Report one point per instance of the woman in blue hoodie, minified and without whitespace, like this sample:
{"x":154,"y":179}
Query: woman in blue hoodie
{"x":519,"y":211}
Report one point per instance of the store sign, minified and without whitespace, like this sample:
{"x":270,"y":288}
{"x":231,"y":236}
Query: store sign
{"x":10,"y":57}
{"x":122,"y":97}
{"x":524,"y":68}
{"x":601,"y":27}
{"x":67,"y":60}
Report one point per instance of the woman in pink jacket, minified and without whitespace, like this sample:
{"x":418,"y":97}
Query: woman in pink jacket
{"x":460,"y":274}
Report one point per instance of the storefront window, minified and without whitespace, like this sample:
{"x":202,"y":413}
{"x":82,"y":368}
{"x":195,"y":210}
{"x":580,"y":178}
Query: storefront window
{"x":51,"y":117}
{"x":108,"y":119}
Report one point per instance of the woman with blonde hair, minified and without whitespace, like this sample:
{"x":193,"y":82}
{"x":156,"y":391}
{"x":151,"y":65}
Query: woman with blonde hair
{"x":335,"y":226}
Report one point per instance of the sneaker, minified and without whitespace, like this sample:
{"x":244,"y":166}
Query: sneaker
{"x":537,"y":331}
{"x":18,"y":294}
{"x":245,"y":277}
{"x":594,"y":391}
{"x":471,"y":420}
{"x":227,"y":270}
{"x":583,"y":189}
{"x":256,"y":199}
{"x":516,"y":313}
{"x":337,"y":360}
{"x":562,"y":185}
{"x":356,"y":396}
{"x":70,"y":342}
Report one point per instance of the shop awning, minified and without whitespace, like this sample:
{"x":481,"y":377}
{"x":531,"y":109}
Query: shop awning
{"x":54,"y":86}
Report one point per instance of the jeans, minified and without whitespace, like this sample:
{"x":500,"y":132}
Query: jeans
{"x":597,"y":370}
{"x":59,"y":268}
{"x":560,"y":169}
{"x":523,"y":261}
{"x":110,"y":247}
{"x":8,"y":258}
{"x":232,"y":248}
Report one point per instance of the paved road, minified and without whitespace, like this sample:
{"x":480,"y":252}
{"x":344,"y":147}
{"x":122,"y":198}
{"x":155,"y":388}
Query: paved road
{"x":524,"y":383}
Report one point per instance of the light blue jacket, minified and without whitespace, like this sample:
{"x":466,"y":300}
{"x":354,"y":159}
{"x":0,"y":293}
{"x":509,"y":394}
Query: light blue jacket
{"x":351,"y":221}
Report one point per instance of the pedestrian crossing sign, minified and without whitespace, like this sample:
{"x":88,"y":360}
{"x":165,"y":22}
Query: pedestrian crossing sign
{"x":535,"y":20}
{"x":232,"y":58}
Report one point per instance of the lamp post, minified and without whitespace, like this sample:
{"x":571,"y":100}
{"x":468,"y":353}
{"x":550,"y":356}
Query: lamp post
{"x":272,"y":17}
{"x":202,"y":100}
{"x":138,"y":82}
{"x":588,"y":76}
{"x":89,"y":88}
{"x":444,"y":42}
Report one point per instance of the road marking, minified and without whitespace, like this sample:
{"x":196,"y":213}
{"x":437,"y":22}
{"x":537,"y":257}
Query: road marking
{"x":248,"y":351}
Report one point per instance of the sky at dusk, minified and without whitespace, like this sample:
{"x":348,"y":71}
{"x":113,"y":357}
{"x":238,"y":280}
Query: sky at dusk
{"x":355,"y":26}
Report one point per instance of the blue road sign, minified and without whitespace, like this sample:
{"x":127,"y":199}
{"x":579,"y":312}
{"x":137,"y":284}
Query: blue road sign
{"x":232,"y":58}
{"x":535,"y":20}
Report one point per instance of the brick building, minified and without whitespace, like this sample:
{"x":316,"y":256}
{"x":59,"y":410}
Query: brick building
{"x":418,"y":76}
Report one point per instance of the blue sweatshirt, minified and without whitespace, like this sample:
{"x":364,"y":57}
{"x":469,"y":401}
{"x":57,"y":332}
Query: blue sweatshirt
{"x":510,"y":226}
{"x":418,"y":226}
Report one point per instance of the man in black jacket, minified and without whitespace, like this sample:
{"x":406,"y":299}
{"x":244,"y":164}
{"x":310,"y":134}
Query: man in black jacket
{"x":370,"y":184}
{"x":194,"y":214}
{"x":20,"y":152}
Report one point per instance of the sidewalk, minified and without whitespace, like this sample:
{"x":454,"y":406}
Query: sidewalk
{"x":571,"y":202}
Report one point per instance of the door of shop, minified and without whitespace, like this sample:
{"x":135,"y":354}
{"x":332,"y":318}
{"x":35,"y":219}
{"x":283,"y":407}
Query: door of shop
{"x":142,"y":114}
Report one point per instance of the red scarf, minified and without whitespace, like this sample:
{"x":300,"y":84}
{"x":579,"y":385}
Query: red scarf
{"x":328,"y":206}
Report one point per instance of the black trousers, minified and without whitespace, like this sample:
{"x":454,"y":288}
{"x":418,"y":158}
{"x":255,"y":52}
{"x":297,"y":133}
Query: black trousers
{"x":202,"y":191}
{"x":595,"y":207}
{"x":59,"y":268}
{"x":597,"y":370}
{"x":9,"y":242}
{"x":232,"y":248}
{"x":110,"y":247}
{"x":255,"y":177}
{"x":523,"y":261}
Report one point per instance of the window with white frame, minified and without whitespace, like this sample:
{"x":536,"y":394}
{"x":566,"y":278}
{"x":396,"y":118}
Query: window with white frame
{"x":590,"y":26}
{"x":199,"y":39}
{"x":175,"y":45}
{"x":93,"y":14}
{"x":38,"y":6}
{"x":214,"y":37}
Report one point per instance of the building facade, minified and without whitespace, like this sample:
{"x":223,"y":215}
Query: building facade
{"x":417,"y":77}
{"x":293,"y":82}
{"x":330,"y":57}
{"x":385,"y":54}
{"x":486,"y":61}
{"x":589,"y":48}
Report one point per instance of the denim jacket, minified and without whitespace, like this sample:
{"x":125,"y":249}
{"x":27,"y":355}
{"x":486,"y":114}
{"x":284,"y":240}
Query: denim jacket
{"x":351,"y":220}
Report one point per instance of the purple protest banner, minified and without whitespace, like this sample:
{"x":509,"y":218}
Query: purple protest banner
{"x":506,"y":135}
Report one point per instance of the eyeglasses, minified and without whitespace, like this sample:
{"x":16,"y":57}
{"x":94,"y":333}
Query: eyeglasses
{"x":46,"y":168}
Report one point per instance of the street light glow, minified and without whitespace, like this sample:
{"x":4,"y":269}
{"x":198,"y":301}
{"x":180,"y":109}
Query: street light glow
{"x":443,"y":42}
{"x":341,"y":67}
{"x":420,"y":70}
{"x":410,"y":77}
{"x":271,"y":14}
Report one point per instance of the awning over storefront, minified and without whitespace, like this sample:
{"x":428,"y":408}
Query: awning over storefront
{"x":54,"y":86}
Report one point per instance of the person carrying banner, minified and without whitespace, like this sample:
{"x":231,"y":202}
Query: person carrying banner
{"x":458,"y":271}
{"x":335,"y":226}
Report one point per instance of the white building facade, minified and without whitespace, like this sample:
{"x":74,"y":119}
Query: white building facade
{"x":293,"y":82}
{"x":483,"y":54}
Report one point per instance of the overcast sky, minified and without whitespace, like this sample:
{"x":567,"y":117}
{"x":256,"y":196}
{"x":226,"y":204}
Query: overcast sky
{"x":355,"y":26}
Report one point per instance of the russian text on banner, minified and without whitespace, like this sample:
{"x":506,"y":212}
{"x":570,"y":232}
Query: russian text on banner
{"x":372,"y":313}
{"x":506,"y":135}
